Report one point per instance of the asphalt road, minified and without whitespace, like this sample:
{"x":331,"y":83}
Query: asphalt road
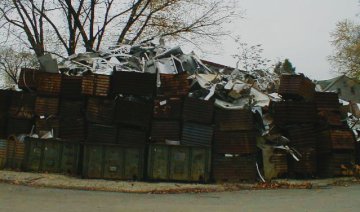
{"x":27,"y":199}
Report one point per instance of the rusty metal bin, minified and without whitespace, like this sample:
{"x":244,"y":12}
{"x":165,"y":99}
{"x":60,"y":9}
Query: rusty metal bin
{"x":28,"y":78}
{"x":15,"y":153}
{"x":46,"y":106}
{"x":178,"y":163}
{"x":134,"y":83}
{"x":234,"y":120}
{"x":342,"y":139}
{"x":48,"y":83}
{"x":110,"y":161}
{"x":296,"y":87}
{"x":198,"y":111}
{"x":96,"y":85}
{"x":3,"y":153}
{"x":22,"y":105}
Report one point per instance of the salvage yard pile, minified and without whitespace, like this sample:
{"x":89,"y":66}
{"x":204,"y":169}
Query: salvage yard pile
{"x":148,"y":112}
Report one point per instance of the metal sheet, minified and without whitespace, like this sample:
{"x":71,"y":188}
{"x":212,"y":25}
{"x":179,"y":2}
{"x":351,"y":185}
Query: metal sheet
{"x":72,"y":108}
{"x":22,"y":105}
{"x":234,"y":120}
{"x":93,"y":161}
{"x":15,"y":153}
{"x":51,"y":156}
{"x":96,"y":85}
{"x":69,"y":163}
{"x":158,"y":162}
{"x":134,"y":163}
{"x":46,"y":106}
{"x":307,"y":166}
{"x":328,"y":101}
{"x":199,"y":111}
{"x":302,"y":136}
{"x":179,"y":163}
{"x":130,"y":137}
{"x":134,"y":83}
{"x":28,"y":79}
{"x":48,"y":83}
{"x":114,"y":163}
{"x":19,"y":126}
{"x":200,"y":164}
{"x":167,"y":108}
{"x":71,"y":87}
{"x":174,"y":84}
{"x":330,"y":118}
{"x":162,"y":130}
{"x":98,"y":133}
{"x":100,"y":110}
{"x":72,"y":129}
{"x":296,"y":87}
{"x":45,"y":125}
{"x":196,"y":134}
{"x":134,"y":113}
{"x":236,"y":142}
{"x":330,"y":140}
{"x":290,"y":112}
{"x":3,"y":153}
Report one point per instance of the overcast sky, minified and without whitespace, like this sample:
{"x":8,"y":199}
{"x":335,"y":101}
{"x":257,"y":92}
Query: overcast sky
{"x":294,"y":29}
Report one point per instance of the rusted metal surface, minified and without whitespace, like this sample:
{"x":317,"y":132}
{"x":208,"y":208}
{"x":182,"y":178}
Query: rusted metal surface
{"x":15,"y":153}
{"x":236,"y":142}
{"x":234,"y":169}
{"x":296,"y":87}
{"x":328,"y":101}
{"x":307,"y":166}
{"x":290,"y":112}
{"x":234,"y":120}
{"x":167,"y":108}
{"x":3,"y":153}
{"x":330,"y":118}
{"x":162,"y":130}
{"x":174,"y":84}
{"x":197,"y":110}
{"x":48,"y":83}
{"x":3,"y":126}
{"x":46,"y":106}
{"x":22,"y":105}
{"x":336,"y":164}
{"x":275,"y":163}
{"x":28,"y":79}
{"x":134,"y":83}
{"x":71,"y":86}
{"x":19,"y":126}
{"x":98,"y":133}
{"x":196,"y":134}
{"x":5,"y":98}
{"x":302,"y":136}
{"x":330,"y":140}
{"x":72,"y":108}
{"x":130,"y":137}
{"x":96,"y":85}
{"x":45,"y":125}
{"x":72,"y":128}
{"x":100,"y":110}
{"x":134,"y":112}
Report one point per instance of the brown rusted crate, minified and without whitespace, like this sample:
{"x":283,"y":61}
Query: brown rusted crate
{"x":72,"y":128}
{"x":194,"y":134}
{"x":134,"y":112}
{"x":45,"y":125}
{"x":162,"y":130}
{"x":130,"y":137}
{"x":22,"y":105}
{"x":28,"y":79}
{"x":3,"y":126}
{"x":279,"y":159}
{"x":96,"y":85}
{"x":98,"y":133}
{"x":167,"y":108}
{"x":19,"y":126}
{"x":15,"y":153}
{"x":5,"y":99}
{"x":46,"y":106}
{"x":3,"y":153}
{"x":71,"y":87}
{"x":330,"y":140}
{"x":296,"y":87}
{"x":330,"y":118}
{"x":72,"y":108}
{"x":307,"y":166}
{"x":134,"y":83}
{"x":290,"y":112}
{"x":302,"y":136}
{"x":234,"y":120}
{"x":235,"y":142}
{"x":100,"y":110}
{"x":48,"y":83}
{"x":197,"y":110}
{"x":174,"y":84}
{"x":234,"y":168}
{"x":336,"y":164}
{"x":328,"y":101}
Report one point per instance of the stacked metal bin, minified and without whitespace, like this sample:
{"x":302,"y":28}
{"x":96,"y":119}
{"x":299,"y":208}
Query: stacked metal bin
{"x":234,"y":152}
{"x":15,"y":153}
{"x":296,"y":117}
{"x":5,"y":97}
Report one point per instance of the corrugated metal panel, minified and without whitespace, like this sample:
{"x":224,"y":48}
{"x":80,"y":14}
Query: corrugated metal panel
{"x":72,"y":129}
{"x":22,"y":105}
{"x":293,"y":112}
{"x":100,"y":110}
{"x":236,"y":142}
{"x":336,"y":164}
{"x":330,"y":140}
{"x":72,"y":108}
{"x":296,"y":87}
{"x":48,"y":83}
{"x":174,"y":84}
{"x":199,"y":111}
{"x":98,"y":133}
{"x":19,"y":126}
{"x":302,"y":136}
{"x":28,"y":79}
{"x":234,"y":169}
{"x":307,"y":165}
{"x":134,"y":112}
{"x":3,"y":153}
{"x":167,"y":108}
{"x":327,"y":101}
{"x":43,"y":126}
{"x":196,"y":134}
{"x":46,"y":106}
{"x":162,"y":130}
{"x":15,"y":153}
{"x":129,"y":137}
{"x":134,"y":83}
{"x":234,"y":120}
{"x":96,"y":85}
{"x":71,"y":87}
